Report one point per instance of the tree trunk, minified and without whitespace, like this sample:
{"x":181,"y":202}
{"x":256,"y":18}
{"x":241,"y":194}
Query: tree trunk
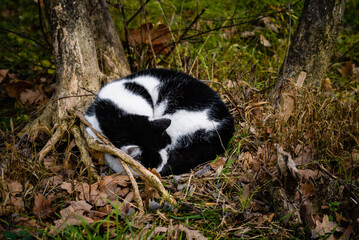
{"x":312,"y":46}
{"x":87,"y":52}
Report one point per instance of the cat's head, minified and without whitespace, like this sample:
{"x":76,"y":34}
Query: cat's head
{"x":140,"y":137}
{"x":144,"y":139}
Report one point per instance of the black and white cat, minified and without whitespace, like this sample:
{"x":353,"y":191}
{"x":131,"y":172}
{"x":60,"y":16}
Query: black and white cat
{"x":164,"y":119}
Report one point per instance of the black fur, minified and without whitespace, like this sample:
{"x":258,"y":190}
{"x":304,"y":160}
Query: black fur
{"x":180,"y":92}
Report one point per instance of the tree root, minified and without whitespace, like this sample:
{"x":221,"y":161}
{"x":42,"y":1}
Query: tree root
{"x":44,"y":122}
{"x":85,"y":157}
{"x":60,"y":129}
{"x":109,"y":148}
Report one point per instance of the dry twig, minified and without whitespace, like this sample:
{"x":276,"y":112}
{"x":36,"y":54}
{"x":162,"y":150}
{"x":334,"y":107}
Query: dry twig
{"x":109,"y":148}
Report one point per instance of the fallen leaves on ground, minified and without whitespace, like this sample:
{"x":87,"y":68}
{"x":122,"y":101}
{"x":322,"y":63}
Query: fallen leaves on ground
{"x":324,"y":227}
{"x":146,"y":34}
{"x":42,"y":206}
{"x":12,"y":197}
{"x":174,"y":232}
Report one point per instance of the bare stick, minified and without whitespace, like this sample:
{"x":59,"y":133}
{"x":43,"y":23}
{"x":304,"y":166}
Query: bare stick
{"x":136,"y":192}
{"x":53,"y":140}
{"x":85,"y":157}
{"x":108,"y":147}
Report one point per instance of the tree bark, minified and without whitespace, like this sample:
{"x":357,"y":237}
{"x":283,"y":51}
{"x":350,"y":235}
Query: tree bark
{"x":87,"y":52}
{"x":313,"y":44}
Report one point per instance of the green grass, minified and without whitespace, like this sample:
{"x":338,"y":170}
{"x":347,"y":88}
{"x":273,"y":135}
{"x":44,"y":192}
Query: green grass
{"x":246,"y":69}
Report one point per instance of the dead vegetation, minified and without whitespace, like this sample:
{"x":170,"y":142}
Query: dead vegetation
{"x":256,"y":190}
{"x":292,"y":175}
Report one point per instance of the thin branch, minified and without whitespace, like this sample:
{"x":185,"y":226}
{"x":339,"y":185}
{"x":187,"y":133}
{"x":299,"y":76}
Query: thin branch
{"x":108,"y":147}
{"x":23,"y":36}
{"x":41,"y":25}
{"x":137,"y":12}
{"x":182,"y":37}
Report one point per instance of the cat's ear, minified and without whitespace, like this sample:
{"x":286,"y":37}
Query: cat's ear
{"x":161,"y":124}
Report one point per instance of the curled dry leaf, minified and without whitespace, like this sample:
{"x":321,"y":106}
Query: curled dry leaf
{"x":269,"y":24}
{"x":307,"y":189}
{"x":264,"y":41}
{"x":220,"y":162}
{"x":265,"y":218}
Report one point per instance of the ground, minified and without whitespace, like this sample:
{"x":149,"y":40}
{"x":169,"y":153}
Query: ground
{"x":280,"y":177}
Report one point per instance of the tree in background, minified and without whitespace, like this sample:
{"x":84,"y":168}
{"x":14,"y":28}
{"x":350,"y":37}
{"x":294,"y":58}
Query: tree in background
{"x":310,"y":52}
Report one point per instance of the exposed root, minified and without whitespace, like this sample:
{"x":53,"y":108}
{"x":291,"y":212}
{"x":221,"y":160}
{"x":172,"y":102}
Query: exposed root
{"x":108,"y":147}
{"x":53,"y":140}
{"x":85,"y":157}
{"x":136,"y":192}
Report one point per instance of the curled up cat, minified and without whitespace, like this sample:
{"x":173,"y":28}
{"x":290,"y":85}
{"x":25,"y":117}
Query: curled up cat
{"x":164,"y":119}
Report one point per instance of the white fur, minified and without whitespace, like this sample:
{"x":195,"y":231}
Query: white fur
{"x":186,"y":122}
{"x":183,"y":122}
{"x":126,"y":100}
{"x":115,"y":164}
{"x":95,"y":124}
{"x":164,"y":156}
{"x":150,"y":84}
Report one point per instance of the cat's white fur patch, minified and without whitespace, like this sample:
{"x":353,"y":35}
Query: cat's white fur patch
{"x":115,"y":164}
{"x":185,"y":122}
{"x":95,"y":124}
{"x":164,"y":156}
{"x":126,"y":100}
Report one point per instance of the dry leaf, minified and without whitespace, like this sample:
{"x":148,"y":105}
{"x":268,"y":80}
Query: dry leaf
{"x":154,"y":172}
{"x":248,"y":34}
{"x":42,"y":207}
{"x":220,"y":162}
{"x":99,"y":156}
{"x":67,"y":186}
{"x":307,"y":189}
{"x":72,"y":215}
{"x":14,"y":187}
{"x":3,"y":73}
{"x":309,"y":173}
{"x":14,"y":89}
{"x":173,"y":232}
{"x":111,"y":186}
{"x":304,"y":156}
{"x":348,"y":69}
{"x":323,"y":227}
{"x":265,"y":218}
{"x":30,"y":96}
{"x":269,"y":24}
{"x":264,"y":41}
{"x":145,"y":34}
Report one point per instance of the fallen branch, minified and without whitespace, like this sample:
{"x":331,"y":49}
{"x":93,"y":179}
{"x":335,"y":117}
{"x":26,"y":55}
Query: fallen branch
{"x":108,"y":147}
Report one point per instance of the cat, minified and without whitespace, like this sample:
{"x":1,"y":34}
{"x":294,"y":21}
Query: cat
{"x":164,"y":119}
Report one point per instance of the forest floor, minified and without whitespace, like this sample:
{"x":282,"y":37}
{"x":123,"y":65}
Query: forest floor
{"x":244,"y":193}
